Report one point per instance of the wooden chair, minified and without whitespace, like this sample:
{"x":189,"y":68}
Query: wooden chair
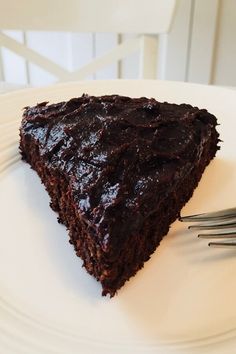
{"x":144,"y":18}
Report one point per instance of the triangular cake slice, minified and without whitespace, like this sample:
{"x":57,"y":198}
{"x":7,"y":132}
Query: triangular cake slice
{"x":118,"y":171}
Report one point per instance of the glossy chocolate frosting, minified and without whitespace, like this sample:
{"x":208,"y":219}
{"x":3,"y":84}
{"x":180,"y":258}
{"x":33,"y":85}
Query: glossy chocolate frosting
{"x":121,"y":156}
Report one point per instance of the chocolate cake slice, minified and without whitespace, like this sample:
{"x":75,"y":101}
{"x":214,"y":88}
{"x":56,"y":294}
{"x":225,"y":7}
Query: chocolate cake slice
{"x":118,"y":171}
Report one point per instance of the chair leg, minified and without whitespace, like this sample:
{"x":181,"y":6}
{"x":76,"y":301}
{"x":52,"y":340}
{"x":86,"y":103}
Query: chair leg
{"x":1,"y":67}
{"x":27,"y":64}
{"x":148,"y":57}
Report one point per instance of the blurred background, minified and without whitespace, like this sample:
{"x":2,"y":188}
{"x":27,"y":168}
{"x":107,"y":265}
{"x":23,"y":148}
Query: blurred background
{"x":196,"y":45}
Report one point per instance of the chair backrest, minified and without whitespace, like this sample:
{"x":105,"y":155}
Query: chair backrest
{"x":119,"y":16}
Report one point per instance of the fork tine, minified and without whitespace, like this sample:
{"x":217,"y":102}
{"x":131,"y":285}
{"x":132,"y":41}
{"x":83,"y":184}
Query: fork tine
{"x":228,"y":245}
{"x":221,"y":214}
{"x":214,"y":225}
{"x":223,"y":234}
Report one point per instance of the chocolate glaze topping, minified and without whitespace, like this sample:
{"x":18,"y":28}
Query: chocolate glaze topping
{"x":121,"y":156}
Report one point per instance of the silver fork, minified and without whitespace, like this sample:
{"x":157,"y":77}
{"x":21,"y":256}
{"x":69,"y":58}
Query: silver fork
{"x":224,"y":221}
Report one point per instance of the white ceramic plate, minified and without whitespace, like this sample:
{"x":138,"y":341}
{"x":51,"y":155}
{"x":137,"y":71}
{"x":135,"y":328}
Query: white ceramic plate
{"x":183,"y":300}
